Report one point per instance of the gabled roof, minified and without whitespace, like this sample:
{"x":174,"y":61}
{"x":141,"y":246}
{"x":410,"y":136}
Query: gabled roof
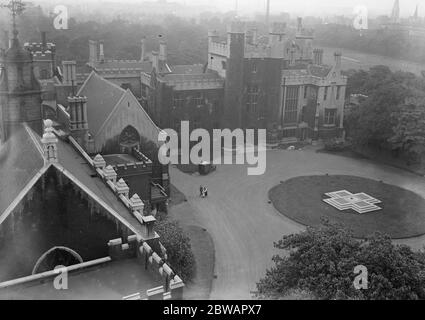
{"x":22,"y":165}
{"x":20,"y":161}
{"x":102,"y":96}
{"x":73,"y":165}
{"x":319,"y":71}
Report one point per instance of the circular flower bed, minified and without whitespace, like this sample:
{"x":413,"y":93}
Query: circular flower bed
{"x":301,"y":199}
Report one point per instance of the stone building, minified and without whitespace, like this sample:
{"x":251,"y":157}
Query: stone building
{"x":249,"y":81}
{"x":65,"y":200}
{"x":272,"y":84}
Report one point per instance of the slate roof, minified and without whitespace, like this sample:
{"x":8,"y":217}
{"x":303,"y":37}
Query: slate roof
{"x":143,"y":66}
{"x":20,"y":160}
{"x":73,"y":163}
{"x":102,"y":96}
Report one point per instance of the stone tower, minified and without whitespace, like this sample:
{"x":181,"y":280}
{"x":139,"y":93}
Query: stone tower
{"x":234,"y":77}
{"x":20,"y":92}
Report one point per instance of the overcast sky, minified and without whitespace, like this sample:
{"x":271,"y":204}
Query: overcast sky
{"x":299,"y":7}
{"x":407,"y":7}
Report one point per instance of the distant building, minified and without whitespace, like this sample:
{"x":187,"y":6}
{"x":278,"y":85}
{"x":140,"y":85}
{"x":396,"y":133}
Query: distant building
{"x":246,"y":83}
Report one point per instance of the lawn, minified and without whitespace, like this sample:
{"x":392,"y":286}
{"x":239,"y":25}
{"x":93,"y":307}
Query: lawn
{"x":300,"y":198}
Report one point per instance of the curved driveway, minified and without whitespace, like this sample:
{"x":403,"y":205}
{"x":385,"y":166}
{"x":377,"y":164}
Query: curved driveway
{"x":244,"y":225}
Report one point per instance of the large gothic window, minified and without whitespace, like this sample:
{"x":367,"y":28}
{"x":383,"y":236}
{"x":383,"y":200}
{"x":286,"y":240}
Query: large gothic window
{"x":129,"y":137}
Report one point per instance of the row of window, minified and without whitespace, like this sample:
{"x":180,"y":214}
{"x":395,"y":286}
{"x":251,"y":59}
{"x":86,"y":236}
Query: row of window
{"x":326,"y":93}
{"x":180,"y":100}
{"x":291,"y":107}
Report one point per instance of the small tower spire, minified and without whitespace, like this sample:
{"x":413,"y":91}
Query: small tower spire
{"x":16,"y":7}
{"x":49,"y":142}
{"x":395,"y":14}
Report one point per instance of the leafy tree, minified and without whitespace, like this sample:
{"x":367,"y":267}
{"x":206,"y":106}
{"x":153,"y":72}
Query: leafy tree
{"x":409,"y":131}
{"x":179,"y":250}
{"x":321,"y":260}
{"x":371,"y":123}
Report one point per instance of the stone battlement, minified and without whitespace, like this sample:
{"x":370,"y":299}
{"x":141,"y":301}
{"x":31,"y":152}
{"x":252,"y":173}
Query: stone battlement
{"x":218,"y":48}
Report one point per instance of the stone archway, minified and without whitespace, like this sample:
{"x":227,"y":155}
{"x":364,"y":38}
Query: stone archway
{"x":129,"y":139}
{"x":56,"y":256}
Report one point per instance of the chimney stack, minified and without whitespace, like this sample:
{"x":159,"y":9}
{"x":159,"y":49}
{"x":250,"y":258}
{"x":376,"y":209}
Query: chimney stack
{"x":318,"y":56}
{"x":101,"y":52}
{"x":267,"y":14}
{"x":93,"y":52}
{"x":43,"y":40}
{"x":78,"y":120}
{"x":299,"y":24}
{"x":155,"y":61}
{"x":6,"y":39}
{"x":338,"y":56}
{"x":162,"y":51}
{"x":69,"y":73}
{"x":143,"y":49}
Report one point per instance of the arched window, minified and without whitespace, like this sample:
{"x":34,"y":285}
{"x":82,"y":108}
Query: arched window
{"x":129,"y":137}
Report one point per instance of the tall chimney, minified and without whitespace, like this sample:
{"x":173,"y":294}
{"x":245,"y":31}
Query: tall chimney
{"x":162,"y":51}
{"x":6,"y":39}
{"x":299,"y":24}
{"x":338,"y":56}
{"x":78,"y":120}
{"x":254,"y":36}
{"x":143,"y":49}
{"x":155,"y":62}
{"x":69,"y":73}
{"x":93,"y":52}
{"x":318,"y":56}
{"x":101,"y":52}
{"x":43,"y":40}
{"x":268,"y":14}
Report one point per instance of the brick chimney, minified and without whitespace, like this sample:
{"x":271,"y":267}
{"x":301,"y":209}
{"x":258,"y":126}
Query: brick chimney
{"x":44,"y":40}
{"x":318,"y":56}
{"x":162,"y":51}
{"x":143,"y":49}
{"x":78,"y":127}
{"x":299,"y":25}
{"x":93,"y":59}
{"x":101,"y":52}
{"x":338,"y":56}
{"x":69,"y":72}
{"x":155,"y":61}
{"x":6,"y":39}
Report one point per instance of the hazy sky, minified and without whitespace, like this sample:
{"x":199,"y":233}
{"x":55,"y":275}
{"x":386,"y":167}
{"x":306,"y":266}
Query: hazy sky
{"x":407,"y":7}
{"x":299,"y":7}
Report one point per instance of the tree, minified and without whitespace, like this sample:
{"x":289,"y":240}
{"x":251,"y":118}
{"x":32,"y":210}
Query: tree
{"x":179,"y":250}
{"x":321,"y":261}
{"x":409,"y":131}
{"x":371,"y":123}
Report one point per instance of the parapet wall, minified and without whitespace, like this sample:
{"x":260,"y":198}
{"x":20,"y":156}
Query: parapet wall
{"x":152,"y":262}
{"x":218,"y":48}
